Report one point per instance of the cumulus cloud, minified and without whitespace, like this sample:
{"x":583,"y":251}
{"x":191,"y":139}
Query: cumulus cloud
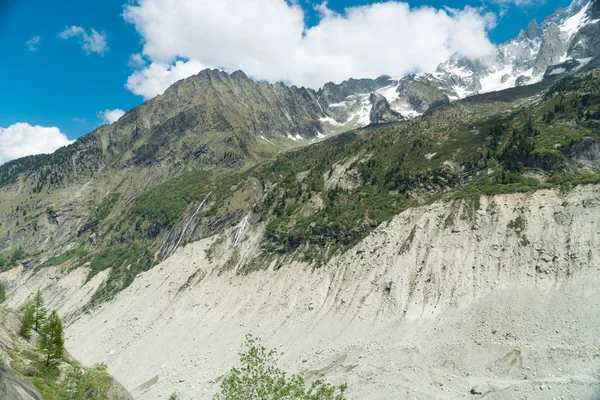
{"x":22,"y":139}
{"x":94,"y":42}
{"x":157,"y":77}
{"x":269,"y":40}
{"x":136,"y":61}
{"x":109,"y":116}
{"x":32,"y":44}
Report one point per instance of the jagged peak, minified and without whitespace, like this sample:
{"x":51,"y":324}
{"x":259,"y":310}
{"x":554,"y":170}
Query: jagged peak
{"x":239,"y":74}
{"x":533,"y":30}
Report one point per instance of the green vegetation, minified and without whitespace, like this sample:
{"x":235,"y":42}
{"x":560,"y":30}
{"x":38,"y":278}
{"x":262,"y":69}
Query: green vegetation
{"x":78,"y":252}
{"x":27,"y":320}
{"x":81,"y":383}
{"x":320,"y":200}
{"x":69,"y":381}
{"x":425,"y":160}
{"x":258,"y":377}
{"x":125,"y":261}
{"x":10,"y":259}
{"x":81,"y":158}
{"x":34,"y":315}
{"x":39,"y":311}
{"x":52,"y":342}
{"x":46,"y":366}
{"x":2,"y":292}
{"x":518,"y":224}
{"x":164,"y":204}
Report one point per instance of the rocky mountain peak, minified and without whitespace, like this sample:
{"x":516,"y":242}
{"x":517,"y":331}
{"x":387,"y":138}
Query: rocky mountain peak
{"x":565,"y":42}
{"x":533,"y":30}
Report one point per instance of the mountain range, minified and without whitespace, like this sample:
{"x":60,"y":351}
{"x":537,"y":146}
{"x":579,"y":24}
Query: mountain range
{"x":226,"y":206}
{"x":563,"y":43}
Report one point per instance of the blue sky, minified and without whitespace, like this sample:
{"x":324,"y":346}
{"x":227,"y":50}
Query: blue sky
{"x":60,"y":85}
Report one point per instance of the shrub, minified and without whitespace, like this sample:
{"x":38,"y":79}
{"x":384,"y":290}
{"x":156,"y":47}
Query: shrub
{"x":258,"y":378}
{"x":80,"y":383}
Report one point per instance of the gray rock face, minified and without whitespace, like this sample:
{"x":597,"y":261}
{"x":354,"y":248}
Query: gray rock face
{"x":588,"y":152}
{"x":421,"y":96}
{"x":571,"y":33}
{"x":335,"y":93}
{"x":533,"y":31}
{"x":552,"y":49}
{"x":381,"y":111}
{"x":12,"y":388}
{"x":586,"y":43}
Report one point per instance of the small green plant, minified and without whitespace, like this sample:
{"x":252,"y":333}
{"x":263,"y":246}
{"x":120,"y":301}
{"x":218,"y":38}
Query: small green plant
{"x":518,"y":224}
{"x":258,"y":377}
{"x":173,"y":396}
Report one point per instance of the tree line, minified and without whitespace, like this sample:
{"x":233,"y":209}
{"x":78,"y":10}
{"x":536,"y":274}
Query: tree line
{"x":54,"y":375}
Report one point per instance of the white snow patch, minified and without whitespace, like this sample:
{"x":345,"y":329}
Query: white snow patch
{"x":364,"y":115}
{"x":320,"y":135}
{"x":389,"y":92}
{"x":572,"y":24}
{"x":340,"y":104}
{"x":493,"y":82}
{"x":583,"y":62}
{"x":557,"y":71}
{"x":298,"y":137}
{"x":411,"y":114}
{"x":330,"y":121}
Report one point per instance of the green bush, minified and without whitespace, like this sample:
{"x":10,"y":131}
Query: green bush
{"x":82,"y":384}
{"x":258,"y":378}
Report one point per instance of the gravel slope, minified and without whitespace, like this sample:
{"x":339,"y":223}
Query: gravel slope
{"x":444,"y":301}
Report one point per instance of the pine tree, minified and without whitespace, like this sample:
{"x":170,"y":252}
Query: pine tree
{"x":2,"y":292}
{"x":52,"y":342}
{"x":40,"y":311}
{"x":27,"y":320}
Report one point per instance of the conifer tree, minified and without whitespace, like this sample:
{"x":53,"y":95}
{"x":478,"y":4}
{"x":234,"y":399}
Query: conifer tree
{"x":27,"y":320}
{"x":2,"y":292}
{"x":52,"y":342}
{"x":40,"y":312}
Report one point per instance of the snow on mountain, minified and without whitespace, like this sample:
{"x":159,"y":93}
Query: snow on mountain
{"x":526,"y":58}
{"x":563,"y":43}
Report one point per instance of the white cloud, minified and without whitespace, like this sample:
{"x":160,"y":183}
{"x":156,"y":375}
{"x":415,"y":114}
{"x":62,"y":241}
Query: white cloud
{"x":32,"y":44}
{"x":517,"y":2}
{"x":268,"y":40}
{"x":157,"y":77}
{"x":136,"y":61}
{"x":22,"y":139}
{"x":109,"y":116}
{"x":95,"y":42}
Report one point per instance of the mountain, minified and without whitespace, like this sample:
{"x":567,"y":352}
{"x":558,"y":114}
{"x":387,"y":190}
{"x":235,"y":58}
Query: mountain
{"x":447,"y":256}
{"x":447,"y":249}
{"x":565,"y":42}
